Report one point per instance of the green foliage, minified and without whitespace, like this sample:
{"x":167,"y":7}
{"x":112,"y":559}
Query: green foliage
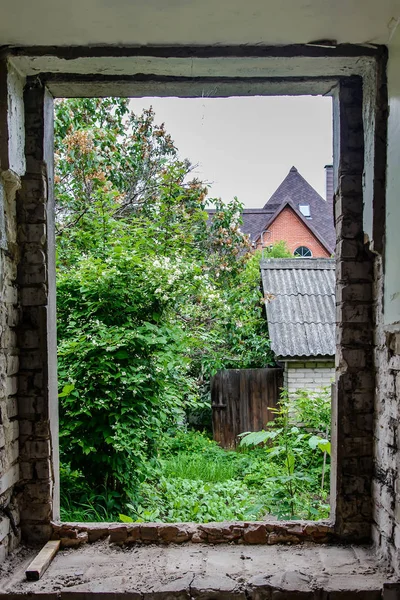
{"x":278,"y":250}
{"x":182,"y":500}
{"x":296,"y":446}
{"x":197,"y":481}
{"x":79,"y":502}
{"x":151,"y":300}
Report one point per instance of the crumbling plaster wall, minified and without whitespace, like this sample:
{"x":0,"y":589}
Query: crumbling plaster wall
{"x":12,"y":164}
{"x":391,"y":263}
{"x":386,"y":295}
{"x":386,"y":482}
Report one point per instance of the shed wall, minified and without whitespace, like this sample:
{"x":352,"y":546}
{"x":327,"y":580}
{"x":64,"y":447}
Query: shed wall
{"x":311,"y":375}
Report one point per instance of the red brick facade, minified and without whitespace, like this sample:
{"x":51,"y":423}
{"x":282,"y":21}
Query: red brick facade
{"x":289,"y":227}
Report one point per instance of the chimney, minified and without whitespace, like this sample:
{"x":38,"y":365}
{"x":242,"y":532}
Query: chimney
{"x":329,"y":184}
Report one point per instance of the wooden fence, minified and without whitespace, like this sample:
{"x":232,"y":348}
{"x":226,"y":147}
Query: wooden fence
{"x":241,"y":401}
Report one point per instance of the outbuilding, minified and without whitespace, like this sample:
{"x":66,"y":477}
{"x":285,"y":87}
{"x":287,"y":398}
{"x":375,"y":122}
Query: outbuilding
{"x":299,"y":297}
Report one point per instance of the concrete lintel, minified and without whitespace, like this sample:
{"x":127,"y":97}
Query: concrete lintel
{"x":222,"y":64}
{"x":203,"y":87}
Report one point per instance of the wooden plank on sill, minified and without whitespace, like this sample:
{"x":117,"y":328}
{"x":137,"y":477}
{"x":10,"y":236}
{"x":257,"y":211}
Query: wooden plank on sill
{"x":40,"y":563}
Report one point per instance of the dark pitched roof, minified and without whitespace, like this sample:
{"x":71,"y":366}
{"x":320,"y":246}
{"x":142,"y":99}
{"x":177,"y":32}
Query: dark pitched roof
{"x":299,"y":191}
{"x":254,"y":220}
{"x":302,"y":218}
{"x":300,"y":305}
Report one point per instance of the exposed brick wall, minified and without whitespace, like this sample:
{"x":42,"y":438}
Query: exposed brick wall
{"x":311,"y":375}
{"x":353,"y":399}
{"x":287,"y":226}
{"x":386,"y":482}
{"x":9,"y":362}
{"x":35,"y":402}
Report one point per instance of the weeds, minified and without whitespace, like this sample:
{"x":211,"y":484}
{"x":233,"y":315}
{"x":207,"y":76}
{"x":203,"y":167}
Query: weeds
{"x":281,"y":471}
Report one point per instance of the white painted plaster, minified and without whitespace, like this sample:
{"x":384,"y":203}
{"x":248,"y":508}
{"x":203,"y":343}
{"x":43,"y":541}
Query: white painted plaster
{"x":392,"y":255}
{"x":134,"y":22}
{"x":369,"y":108}
{"x":3,"y":237}
{"x":15,"y":121}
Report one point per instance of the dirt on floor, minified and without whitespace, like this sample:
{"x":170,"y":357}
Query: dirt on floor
{"x":202,"y":571}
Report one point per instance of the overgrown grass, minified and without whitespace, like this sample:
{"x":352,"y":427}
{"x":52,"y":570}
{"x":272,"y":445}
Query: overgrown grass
{"x":193,"y":479}
{"x":198,"y":467}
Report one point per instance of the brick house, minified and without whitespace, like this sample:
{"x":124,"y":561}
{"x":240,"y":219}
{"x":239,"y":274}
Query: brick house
{"x":300,"y":310}
{"x":297,"y":214}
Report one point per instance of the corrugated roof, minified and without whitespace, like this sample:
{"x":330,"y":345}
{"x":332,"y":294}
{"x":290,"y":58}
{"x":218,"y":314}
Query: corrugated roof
{"x":300,"y":305}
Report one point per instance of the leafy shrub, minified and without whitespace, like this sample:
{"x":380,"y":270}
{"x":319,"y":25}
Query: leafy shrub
{"x":296,"y":455}
{"x":183,"y":500}
{"x":79,"y":502}
{"x":152,"y":301}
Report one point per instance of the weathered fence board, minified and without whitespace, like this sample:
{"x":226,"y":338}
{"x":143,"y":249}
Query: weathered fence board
{"x":241,"y":401}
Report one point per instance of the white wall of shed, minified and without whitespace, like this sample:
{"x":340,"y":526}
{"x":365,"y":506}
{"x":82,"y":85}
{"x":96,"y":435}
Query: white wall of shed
{"x":310,"y":375}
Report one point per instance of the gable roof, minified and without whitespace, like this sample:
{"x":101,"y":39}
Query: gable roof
{"x":296,"y":189}
{"x":254,"y":220}
{"x":289,"y":203}
{"x":300,"y":305}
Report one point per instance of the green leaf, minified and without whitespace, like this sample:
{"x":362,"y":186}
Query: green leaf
{"x":122,"y":354}
{"x":125,"y":519}
{"x":67,"y":389}
{"x":256,"y":437}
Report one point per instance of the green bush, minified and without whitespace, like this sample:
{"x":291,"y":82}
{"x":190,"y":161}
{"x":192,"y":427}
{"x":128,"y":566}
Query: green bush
{"x":295,"y":470}
{"x":192,"y":500}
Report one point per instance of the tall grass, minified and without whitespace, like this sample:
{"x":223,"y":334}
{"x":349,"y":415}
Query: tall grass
{"x":216,"y":468}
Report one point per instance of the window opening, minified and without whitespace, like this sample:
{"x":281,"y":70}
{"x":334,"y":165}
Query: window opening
{"x":144,"y":259}
{"x":303,"y":251}
{"x":305,"y":210}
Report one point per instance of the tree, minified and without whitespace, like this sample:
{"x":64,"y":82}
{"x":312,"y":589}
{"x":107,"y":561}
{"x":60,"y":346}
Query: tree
{"x":278,"y":250}
{"x":151,"y":299}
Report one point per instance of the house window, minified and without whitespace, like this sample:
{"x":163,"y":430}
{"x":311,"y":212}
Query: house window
{"x":303,"y":251}
{"x":305,"y":210}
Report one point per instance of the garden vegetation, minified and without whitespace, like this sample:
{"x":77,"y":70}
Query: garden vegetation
{"x":152,"y":301}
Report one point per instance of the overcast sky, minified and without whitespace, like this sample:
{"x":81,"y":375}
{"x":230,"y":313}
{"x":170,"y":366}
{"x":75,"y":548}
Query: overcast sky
{"x":245,"y":146}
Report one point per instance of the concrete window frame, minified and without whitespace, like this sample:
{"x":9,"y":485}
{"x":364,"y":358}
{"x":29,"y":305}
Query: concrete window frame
{"x":355,"y":77}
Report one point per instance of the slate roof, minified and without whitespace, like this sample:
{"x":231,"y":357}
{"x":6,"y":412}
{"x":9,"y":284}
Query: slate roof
{"x":299,"y":191}
{"x":300,"y":306}
{"x":254,"y":220}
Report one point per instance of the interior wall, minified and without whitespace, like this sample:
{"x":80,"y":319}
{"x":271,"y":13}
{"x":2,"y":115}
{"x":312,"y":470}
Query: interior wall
{"x":11,"y":167}
{"x":392,"y":254}
{"x":386,"y":481}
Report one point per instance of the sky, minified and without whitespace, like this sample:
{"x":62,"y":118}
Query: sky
{"x":245,"y":146}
